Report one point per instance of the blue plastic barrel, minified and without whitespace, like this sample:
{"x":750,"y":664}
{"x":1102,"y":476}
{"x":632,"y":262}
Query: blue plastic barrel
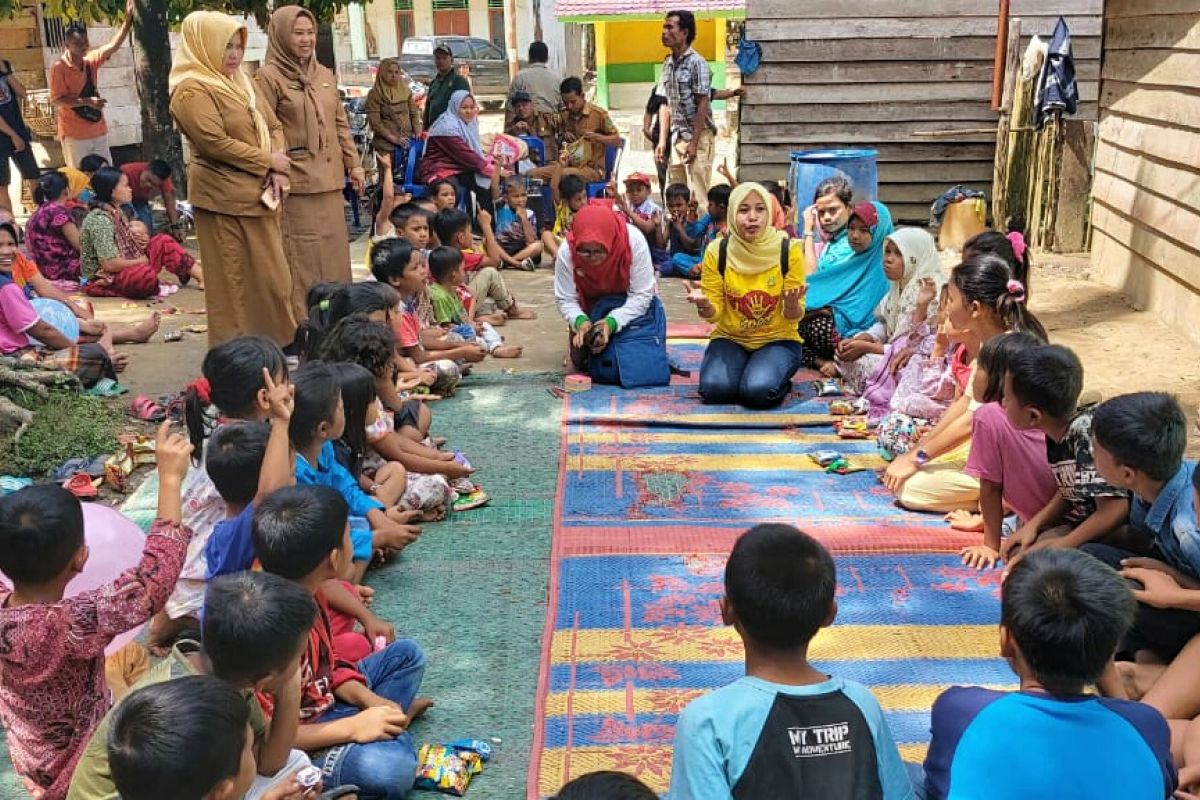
{"x":810,"y":167}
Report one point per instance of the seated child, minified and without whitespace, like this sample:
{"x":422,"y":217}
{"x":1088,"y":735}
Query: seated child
{"x":516,"y":228}
{"x":605,"y":785}
{"x":232,"y":389}
{"x":1062,"y":614}
{"x":453,"y":228}
{"x":52,"y":688}
{"x":572,"y":196}
{"x":427,"y":494}
{"x":449,"y":292}
{"x":317,"y":421}
{"x":645,"y":215}
{"x":444,"y":194}
{"x":187,"y":738}
{"x":1138,"y":445}
{"x":934,"y":376}
{"x":1042,"y":391}
{"x":302,"y":533}
{"x":256,"y":627}
{"x":696,"y":235}
{"x":1009,"y":463}
{"x":786,"y":729}
{"x":246,"y":462}
{"x":387,"y":221}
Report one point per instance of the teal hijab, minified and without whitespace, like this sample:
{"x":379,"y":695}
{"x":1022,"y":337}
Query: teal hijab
{"x":851,"y":284}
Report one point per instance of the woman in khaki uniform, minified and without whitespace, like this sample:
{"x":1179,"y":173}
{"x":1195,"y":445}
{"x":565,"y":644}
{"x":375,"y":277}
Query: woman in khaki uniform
{"x":392,"y":111}
{"x":303,"y":94}
{"x":237,"y":155}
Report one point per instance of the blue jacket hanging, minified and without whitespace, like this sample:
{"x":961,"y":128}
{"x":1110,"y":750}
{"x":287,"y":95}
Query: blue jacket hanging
{"x":1057,"y":87}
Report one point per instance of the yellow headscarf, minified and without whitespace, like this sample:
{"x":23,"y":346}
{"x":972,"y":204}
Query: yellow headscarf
{"x":391,"y":93}
{"x":201,"y":53}
{"x":753,"y":256}
{"x":282,"y":60}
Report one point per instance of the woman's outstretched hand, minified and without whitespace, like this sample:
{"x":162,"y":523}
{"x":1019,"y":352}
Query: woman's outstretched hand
{"x":793,"y":301}
{"x":696,"y":297}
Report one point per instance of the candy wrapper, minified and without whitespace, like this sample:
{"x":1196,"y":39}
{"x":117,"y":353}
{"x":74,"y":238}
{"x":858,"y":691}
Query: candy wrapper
{"x":841,"y":407}
{"x":830,"y":387}
{"x":825,"y":457}
{"x":449,"y":768}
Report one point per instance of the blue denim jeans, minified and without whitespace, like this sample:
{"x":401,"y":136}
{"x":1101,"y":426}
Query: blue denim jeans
{"x":758,"y":378}
{"x":381,"y":770}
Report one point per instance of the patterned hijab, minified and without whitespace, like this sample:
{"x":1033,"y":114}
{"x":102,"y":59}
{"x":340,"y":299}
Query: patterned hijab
{"x":201,"y":54}
{"x":282,"y":60}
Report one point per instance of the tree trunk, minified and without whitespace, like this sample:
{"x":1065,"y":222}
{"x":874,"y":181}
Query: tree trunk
{"x":152,"y":63}
{"x":325,"y":52}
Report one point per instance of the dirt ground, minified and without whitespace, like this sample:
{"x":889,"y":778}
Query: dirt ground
{"x":1122,"y":349}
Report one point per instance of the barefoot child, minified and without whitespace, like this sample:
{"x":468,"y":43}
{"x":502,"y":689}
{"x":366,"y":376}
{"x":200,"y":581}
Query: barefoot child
{"x":453,"y":229}
{"x":52,"y":688}
{"x":446,"y":294}
{"x":516,"y":228}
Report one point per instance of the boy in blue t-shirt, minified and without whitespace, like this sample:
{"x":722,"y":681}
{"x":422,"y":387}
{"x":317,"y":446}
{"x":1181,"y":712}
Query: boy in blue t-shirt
{"x":688,"y":240}
{"x":1062,"y":614}
{"x":786,"y":730}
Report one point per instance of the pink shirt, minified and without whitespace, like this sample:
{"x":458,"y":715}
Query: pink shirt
{"x":52,"y":687}
{"x":16,"y":317}
{"x":407,"y":327}
{"x":1015,"y":459}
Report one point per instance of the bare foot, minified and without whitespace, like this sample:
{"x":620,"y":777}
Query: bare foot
{"x":120,"y":361}
{"x":508,"y":351}
{"x":405,"y":516}
{"x":434,"y":514}
{"x":1138,"y":678}
{"x":398,"y":538}
{"x":495,"y":319}
{"x":141,"y":332}
{"x":963,"y":520}
{"x":197,"y":276}
{"x":517,"y":312}
{"x":366,"y":594}
{"x":418,"y":708}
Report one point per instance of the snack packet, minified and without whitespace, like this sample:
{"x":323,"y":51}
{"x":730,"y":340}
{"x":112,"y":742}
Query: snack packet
{"x":449,"y":768}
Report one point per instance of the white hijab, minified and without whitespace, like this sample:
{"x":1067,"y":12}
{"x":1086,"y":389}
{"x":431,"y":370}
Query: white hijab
{"x":920,"y":255}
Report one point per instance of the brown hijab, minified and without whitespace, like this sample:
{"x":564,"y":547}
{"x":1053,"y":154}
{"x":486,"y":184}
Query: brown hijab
{"x":283,"y":60}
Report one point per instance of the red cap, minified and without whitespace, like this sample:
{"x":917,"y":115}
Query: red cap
{"x":867,"y":213}
{"x":638,"y":177}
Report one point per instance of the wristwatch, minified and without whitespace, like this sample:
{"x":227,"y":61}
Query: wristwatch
{"x":922,"y":458}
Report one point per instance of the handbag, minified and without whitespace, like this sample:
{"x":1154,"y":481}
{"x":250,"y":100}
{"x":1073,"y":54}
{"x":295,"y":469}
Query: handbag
{"x":87,"y":113}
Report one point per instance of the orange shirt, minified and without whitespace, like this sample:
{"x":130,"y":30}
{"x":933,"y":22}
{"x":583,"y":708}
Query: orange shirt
{"x":23,"y":270}
{"x":68,"y":81}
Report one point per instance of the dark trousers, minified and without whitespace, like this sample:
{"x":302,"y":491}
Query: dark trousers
{"x":758,"y":378}
{"x":1162,"y":630}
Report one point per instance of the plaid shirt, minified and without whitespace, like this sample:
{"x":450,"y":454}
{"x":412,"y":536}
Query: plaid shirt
{"x":683,"y":81}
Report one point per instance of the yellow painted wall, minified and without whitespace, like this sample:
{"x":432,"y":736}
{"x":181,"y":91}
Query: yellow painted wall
{"x":640,"y":41}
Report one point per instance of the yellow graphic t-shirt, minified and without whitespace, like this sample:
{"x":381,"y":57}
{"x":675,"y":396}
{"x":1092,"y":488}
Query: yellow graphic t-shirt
{"x":749,"y":308}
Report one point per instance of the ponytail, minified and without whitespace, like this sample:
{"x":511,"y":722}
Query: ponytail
{"x":327,"y":302}
{"x":987,"y":278}
{"x":232,"y":380}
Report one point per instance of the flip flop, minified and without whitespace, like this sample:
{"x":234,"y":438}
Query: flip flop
{"x":144,"y":408}
{"x":117,"y":470}
{"x":11,"y":483}
{"x":82,"y":486}
{"x":106,"y":387}
{"x":91,"y":466}
{"x":475,"y":499}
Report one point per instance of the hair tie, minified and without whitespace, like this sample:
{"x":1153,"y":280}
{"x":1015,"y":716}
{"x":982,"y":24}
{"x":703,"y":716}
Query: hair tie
{"x":1016,"y":289}
{"x":203,"y":390}
{"x":323,"y":305}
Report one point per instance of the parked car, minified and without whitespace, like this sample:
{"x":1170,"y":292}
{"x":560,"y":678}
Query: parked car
{"x":355,"y":79}
{"x":488,"y":64}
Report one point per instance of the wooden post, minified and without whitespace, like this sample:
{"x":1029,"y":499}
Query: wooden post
{"x":1012,"y":70}
{"x":1002,"y":39}
{"x":510,"y":37}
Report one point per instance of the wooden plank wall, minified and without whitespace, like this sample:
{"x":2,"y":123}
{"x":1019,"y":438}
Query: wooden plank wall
{"x":872,"y":73}
{"x":1146,"y":195}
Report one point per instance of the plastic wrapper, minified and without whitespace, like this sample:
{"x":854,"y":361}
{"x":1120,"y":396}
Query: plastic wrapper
{"x":449,"y":768}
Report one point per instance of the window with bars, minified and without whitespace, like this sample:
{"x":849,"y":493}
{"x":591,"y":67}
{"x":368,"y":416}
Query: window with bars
{"x":450,"y":5}
{"x":402,"y":5}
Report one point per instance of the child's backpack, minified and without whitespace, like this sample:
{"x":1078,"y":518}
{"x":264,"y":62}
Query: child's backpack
{"x":637,"y":355}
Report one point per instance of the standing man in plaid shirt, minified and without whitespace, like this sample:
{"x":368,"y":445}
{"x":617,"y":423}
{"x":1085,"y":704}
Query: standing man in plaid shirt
{"x":687,"y":81}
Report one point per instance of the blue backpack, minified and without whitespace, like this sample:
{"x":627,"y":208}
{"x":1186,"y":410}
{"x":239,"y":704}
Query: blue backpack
{"x":636,"y":355}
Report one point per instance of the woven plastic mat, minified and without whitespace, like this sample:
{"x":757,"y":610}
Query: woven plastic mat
{"x":655,"y":488}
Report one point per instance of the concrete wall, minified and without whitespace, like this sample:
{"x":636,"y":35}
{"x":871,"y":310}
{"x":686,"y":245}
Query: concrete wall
{"x":1146,"y":196}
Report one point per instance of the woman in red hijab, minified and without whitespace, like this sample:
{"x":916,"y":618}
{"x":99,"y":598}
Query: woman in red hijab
{"x":605,"y":290}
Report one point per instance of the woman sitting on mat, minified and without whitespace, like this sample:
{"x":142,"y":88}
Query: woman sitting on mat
{"x":604,"y":287}
{"x":114,"y":263}
{"x":847,"y":282}
{"x":752,"y":288}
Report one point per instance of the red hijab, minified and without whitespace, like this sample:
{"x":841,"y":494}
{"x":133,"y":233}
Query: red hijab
{"x":600,"y":225}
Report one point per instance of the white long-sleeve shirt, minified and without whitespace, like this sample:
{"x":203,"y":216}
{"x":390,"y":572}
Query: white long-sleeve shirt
{"x":641,"y":284}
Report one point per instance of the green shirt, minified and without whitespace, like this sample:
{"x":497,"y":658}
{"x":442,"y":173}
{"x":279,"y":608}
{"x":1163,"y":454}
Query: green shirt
{"x":437,"y":99}
{"x":97,"y":242}
{"x":447,"y":307}
{"x":92,"y":780}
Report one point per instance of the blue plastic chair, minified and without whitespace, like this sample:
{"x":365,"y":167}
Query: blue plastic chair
{"x":536,"y":146}
{"x":416,"y":148}
{"x":612,"y":157}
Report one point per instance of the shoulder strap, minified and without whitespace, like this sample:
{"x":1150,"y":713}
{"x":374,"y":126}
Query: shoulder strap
{"x":722,"y":255}
{"x":784,"y":252}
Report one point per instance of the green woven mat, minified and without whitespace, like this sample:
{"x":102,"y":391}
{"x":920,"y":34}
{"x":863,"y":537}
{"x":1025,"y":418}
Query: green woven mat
{"x":472,"y":591}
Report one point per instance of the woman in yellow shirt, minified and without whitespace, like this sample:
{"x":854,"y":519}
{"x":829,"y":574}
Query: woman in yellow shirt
{"x":752,"y":289}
